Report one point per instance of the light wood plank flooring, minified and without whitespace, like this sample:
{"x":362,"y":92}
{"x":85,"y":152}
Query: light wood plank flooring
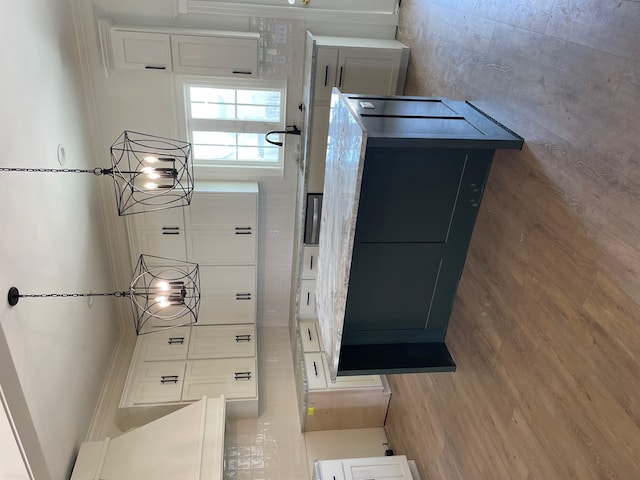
{"x":546,"y":325}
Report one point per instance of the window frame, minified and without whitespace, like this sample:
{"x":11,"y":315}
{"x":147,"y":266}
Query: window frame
{"x":242,"y":169}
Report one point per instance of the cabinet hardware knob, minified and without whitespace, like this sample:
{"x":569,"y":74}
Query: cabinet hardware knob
{"x":309,"y":332}
{"x":242,"y":376}
{"x":315,"y":368}
{"x":243,"y":338}
{"x":308,"y":298}
{"x":176,"y":341}
{"x":311,"y":263}
{"x":340,"y":82}
{"x":243,"y":230}
{"x":243,"y":296}
{"x":168,"y":379}
{"x":155,"y":67}
{"x":326,"y":75}
{"x":241,"y":72}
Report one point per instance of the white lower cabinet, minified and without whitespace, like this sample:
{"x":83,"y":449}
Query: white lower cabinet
{"x":233,"y":378}
{"x":173,"y":367}
{"x":394,"y":467}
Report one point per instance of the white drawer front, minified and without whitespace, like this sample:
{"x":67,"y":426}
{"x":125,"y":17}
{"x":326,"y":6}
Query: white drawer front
{"x":156,"y":392}
{"x":381,"y":468}
{"x":309,"y":335}
{"x":315,"y":371}
{"x":307,"y":304}
{"x":310,"y":262}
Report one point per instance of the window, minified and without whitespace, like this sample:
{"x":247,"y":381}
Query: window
{"x":227,"y":121}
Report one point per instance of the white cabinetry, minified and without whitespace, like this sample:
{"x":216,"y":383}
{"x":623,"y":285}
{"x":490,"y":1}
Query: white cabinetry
{"x":395,"y":467}
{"x":184,"y":51}
{"x":141,"y":50}
{"x":179,"y":366}
{"x":307,"y":296}
{"x":219,"y":55}
{"x":218,"y":355}
{"x":354,"y":65}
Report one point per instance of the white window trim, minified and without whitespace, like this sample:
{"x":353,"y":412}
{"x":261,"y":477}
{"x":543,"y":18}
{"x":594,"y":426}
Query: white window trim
{"x":216,"y":172}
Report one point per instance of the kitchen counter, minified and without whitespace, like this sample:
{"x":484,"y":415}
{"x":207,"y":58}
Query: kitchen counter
{"x":389,"y":208}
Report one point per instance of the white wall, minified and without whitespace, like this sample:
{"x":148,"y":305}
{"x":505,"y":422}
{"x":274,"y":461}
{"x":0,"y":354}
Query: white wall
{"x":52,"y":237}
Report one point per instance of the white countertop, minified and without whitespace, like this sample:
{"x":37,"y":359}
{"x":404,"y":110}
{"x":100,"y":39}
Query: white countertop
{"x":343,"y":175}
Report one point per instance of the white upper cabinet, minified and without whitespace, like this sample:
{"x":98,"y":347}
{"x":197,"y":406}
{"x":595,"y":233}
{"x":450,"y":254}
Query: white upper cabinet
{"x":141,"y":50}
{"x":185,"y":51}
{"x":215,"y":55}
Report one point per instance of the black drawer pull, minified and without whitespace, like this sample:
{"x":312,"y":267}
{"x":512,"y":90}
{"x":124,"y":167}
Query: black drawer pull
{"x":309,"y":332}
{"x":243,"y":231}
{"x":243,"y":338}
{"x":168,"y":379}
{"x":326,"y":75}
{"x":311,"y":263}
{"x":315,"y":368}
{"x":243,"y":296}
{"x":155,"y":67}
{"x":340,"y":82}
{"x":170,"y":230}
{"x":308,"y":298}
{"x":242,"y":72}
{"x":242,"y":376}
{"x":176,"y":341}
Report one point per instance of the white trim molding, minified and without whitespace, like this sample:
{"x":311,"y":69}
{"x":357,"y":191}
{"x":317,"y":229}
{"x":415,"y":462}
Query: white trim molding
{"x":387,"y":17}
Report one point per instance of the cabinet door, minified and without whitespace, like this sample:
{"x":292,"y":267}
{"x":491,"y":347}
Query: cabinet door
{"x":368,"y":70}
{"x":159,"y":382}
{"x":167,"y":242}
{"x":228,"y":294}
{"x":307,"y":301}
{"x":326,"y":69}
{"x":221,"y":229}
{"x":166,"y":345}
{"x":233,"y":378}
{"x":222,"y":341}
{"x":141,"y":50}
{"x":394,"y":467}
{"x":216,"y":56}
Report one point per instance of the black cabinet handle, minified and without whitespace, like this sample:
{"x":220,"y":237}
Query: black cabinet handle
{"x":315,"y":367}
{"x":243,"y":296}
{"x":311,"y":263}
{"x":168,"y":379}
{"x":170,"y":230}
{"x":243,"y":338}
{"x":241,"y":72}
{"x":326,"y":75}
{"x":340,"y":82}
{"x":176,"y":341}
{"x":243,"y":230}
{"x":155,"y":67}
{"x":309,"y":332}
{"x":308,"y":298}
{"x":242,"y":376}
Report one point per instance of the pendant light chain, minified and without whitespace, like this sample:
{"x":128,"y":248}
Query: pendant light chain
{"x":45,"y":295}
{"x":95,"y":171}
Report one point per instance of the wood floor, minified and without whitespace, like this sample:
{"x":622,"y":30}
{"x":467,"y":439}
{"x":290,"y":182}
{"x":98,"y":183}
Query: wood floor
{"x":546,"y":326}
